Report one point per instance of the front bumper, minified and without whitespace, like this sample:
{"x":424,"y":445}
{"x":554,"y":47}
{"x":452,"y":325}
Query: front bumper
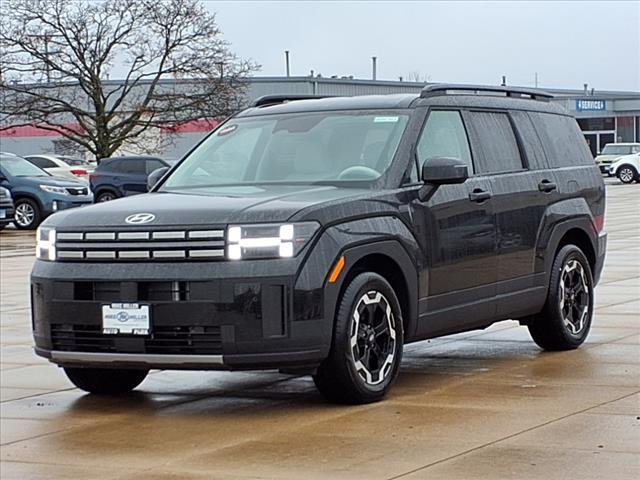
{"x":205,"y":315}
{"x":53,"y":205}
{"x":6,"y":213}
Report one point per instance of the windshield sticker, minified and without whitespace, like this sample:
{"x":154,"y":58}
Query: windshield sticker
{"x":227,"y":130}
{"x":385,"y":119}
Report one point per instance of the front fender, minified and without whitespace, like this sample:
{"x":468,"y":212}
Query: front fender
{"x":384,"y":235}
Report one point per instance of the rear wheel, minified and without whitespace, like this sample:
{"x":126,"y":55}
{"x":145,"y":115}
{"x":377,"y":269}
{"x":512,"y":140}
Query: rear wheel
{"x":106,"y":196}
{"x":26,"y":215}
{"x":565,"y":321}
{"x":627,"y":174}
{"x":105,"y":381}
{"x":367,"y":344}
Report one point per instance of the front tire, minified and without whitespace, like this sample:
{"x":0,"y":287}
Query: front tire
{"x":105,"y":381}
{"x":367,"y":343}
{"x":565,"y":320}
{"x":26,"y":214}
{"x":627,"y":174}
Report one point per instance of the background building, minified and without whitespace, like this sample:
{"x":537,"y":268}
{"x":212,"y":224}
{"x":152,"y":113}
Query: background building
{"x":604,"y":116}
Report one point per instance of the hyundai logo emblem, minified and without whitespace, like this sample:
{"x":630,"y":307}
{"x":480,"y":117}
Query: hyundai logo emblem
{"x":138,"y":218}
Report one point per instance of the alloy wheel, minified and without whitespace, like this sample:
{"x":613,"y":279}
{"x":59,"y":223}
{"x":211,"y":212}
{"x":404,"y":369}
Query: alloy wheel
{"x":626,"y":175}
{"x":574,"y":296}
{"x":373,"y":337}
{"x":24,"y":215}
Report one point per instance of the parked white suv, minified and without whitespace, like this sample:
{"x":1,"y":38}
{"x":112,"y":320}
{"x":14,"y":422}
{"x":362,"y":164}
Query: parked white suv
{"x":612,"y":151}
{"x":626,"y":168}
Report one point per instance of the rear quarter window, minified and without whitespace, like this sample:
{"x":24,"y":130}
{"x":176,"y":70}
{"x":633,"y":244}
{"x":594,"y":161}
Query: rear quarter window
{"x":563,"y":142}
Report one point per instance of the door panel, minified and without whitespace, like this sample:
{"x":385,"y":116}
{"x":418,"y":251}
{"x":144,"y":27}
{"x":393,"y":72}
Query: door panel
{"x":459,"y":236}
{"x":457,"y":227}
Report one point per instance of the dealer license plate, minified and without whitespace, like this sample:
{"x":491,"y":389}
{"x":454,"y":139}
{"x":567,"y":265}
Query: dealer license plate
{"x":125,"y":318}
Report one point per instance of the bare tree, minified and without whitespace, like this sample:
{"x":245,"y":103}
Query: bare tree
{"x":416,"y":76}
{"x":56,"y":58}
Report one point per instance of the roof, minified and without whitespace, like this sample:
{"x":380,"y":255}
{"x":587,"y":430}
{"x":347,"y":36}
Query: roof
{"x":360,"y":102}
{"x":480,"y":99}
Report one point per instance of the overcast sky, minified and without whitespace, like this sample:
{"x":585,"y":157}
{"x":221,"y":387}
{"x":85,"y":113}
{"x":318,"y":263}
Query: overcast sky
{"x":567,"y":43}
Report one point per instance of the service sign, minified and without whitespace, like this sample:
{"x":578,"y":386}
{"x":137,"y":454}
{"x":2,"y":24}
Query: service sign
{"x":590,"y":105}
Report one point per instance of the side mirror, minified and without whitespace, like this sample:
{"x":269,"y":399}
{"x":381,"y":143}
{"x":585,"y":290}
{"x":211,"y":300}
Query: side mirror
{"x":444,"y":170}
{"x":155,"y":176}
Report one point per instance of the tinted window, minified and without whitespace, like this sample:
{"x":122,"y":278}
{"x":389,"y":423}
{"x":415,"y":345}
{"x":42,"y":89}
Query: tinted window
{"x":41,"y":162}
{"x":134,"y":166}
{"x":563,"y":142}
{"x":494,"y":138}
{"x":530,"y":141}
{"x":154,"y":165}
{"x":444,"y":136}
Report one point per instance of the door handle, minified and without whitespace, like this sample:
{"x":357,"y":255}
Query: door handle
{"x":479,"y":195}
{"x":547,"y":186}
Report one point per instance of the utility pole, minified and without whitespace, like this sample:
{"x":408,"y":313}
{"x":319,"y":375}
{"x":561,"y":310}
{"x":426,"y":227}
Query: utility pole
{"x":536,"y":80}
{"x":374,"y":67}
{"x":286,"y":57}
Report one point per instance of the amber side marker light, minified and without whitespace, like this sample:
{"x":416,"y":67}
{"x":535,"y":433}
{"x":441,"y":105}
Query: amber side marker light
{"x":337,"y":269}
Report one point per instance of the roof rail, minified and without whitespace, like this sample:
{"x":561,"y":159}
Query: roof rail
{"x":267,"y":100}
{"x":517,"y":92}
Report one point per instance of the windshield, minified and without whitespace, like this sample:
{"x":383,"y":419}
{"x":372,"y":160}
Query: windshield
{"x":326,"y":147}
{"x":617,"y":150}
{"x":19,"y":167}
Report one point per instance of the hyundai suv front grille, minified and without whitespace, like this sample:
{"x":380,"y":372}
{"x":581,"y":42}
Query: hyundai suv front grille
{"x":142,"y":245}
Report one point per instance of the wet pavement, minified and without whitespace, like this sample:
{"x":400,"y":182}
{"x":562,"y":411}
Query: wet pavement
{"x":484,"y":404}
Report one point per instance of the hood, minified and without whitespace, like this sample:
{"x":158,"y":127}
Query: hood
{"x":53,"y":181}
{"x":220,"y":206}
{"x":607,"y":158}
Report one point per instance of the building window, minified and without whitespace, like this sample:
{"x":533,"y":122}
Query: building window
{"x":601,"y":123}
{"x":624,"y":132}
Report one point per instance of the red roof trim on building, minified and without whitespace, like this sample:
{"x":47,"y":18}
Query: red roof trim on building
{"x":194,"y":126}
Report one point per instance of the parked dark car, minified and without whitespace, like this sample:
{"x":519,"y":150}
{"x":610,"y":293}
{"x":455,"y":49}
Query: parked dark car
{"x":318,"y":236}
{"x":36,"y":194}
{"x":123,"y":176}
{"x":6,"y":207}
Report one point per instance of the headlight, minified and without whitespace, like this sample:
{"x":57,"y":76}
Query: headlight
{"x":268,"y":241}
{"x":46,"y":243}
{"x":52,"y":189}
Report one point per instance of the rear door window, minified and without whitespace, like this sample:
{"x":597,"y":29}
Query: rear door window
{"x":42,"y":162}
{"x":444,"y":135}
{"x":154,"y":164}
{"x":494,"y":138}
{"x":136,"y":167}
{"x":531,"y":144}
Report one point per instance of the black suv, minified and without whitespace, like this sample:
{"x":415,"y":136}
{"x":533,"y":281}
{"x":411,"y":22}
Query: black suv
{"x":118,"y":177}
{"x":320,"y":235}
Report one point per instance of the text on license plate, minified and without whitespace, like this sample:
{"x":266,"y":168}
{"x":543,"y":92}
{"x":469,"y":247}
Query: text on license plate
{"x":128,"y":318}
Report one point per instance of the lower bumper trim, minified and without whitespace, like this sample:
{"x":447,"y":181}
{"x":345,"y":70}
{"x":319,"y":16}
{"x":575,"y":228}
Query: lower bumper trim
{"x":135,"y":358}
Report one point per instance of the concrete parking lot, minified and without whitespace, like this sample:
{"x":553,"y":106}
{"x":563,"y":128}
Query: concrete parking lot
{"x":485,"y":404}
